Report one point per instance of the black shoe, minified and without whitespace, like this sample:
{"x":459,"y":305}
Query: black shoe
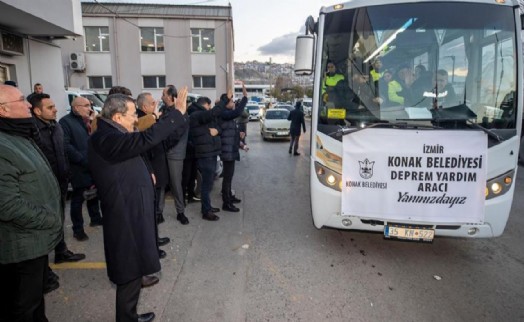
{"x":146,"y":317}
{"x":235,"y":200}
{"x":68,"y":256}
{"x":149,"y":280}
{"x":96,"y":223}
{"x":80,"y":236}
{"x":160,"y":218}
{"x":296,"y":153}
{"x":210,"y":216}
{"x":161,"y":253}
{"x":51,"y":286}
{"x":163,"y":241}
{"x":51,"y":276}
{"x":289,"y":151}
{"x":182,"y":218}
{"x":230,"y":207}
{"x":213,"y":209}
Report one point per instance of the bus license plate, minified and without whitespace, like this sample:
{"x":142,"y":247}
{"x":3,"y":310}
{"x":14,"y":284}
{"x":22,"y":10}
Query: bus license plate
{"x":405,"y":233}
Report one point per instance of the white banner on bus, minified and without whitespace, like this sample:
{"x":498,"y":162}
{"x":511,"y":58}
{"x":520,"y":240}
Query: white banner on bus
{"x":431,"y":175}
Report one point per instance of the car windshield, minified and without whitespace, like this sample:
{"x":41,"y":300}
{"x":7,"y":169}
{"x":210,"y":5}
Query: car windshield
{"x":94,"y":100}
{"x":427,"y":63}
{"x":277,"y":115}
{"x":252,"y":107}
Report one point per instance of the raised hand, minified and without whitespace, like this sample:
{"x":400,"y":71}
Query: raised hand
{"x":181,"y":100}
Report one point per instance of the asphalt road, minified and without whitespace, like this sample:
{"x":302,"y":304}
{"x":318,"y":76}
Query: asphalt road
{"x":269,"y":263}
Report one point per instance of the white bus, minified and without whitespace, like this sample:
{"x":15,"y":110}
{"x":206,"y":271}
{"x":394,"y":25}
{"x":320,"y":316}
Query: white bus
{"x":416,"y":127}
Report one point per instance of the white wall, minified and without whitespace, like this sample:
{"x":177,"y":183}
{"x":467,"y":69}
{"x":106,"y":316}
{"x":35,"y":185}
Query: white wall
{"x":46,"y":68}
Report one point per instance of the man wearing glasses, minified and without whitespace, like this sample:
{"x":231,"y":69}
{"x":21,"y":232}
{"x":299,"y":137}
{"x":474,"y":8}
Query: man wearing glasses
{"x":77,"y":128}
{"x":126,"y":186}
{"x":30,"y":212}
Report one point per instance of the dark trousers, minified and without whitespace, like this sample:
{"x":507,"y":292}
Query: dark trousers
{"x":227,"y":173}
{"x":189,"y":176}
{"x":61,"y":247}
{"x":207,"y":167}
{"x":294,"y":142}
{"x":127,"y":300}
{"x":158,"y":194}
{"x":22,"y":291}
{"x":93,"y":208}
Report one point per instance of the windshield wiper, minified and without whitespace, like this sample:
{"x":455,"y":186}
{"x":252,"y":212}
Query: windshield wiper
{"x":391,"y":125}
{"x":490,"y":133}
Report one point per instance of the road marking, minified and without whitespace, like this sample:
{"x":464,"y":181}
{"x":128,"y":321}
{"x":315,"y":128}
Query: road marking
{"x":79,"y":265}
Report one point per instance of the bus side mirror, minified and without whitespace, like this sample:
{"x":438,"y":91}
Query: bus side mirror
{"x":304,"y":51}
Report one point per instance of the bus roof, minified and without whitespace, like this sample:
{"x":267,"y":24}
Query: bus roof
{"x":368,"y":3}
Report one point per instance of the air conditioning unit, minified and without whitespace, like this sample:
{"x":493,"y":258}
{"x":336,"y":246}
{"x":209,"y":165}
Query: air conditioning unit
{"x":10,"y":44}
{"x":77,"y":61}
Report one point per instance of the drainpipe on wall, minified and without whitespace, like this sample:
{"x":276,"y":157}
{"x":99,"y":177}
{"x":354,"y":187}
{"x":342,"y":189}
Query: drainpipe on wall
{"x":29,"y":65}
{"x":117,"y":69}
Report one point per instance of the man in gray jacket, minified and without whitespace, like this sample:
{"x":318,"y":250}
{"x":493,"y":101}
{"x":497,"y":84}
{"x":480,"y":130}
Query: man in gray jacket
{"x":175,"y":146}
{"x":30,"y":212}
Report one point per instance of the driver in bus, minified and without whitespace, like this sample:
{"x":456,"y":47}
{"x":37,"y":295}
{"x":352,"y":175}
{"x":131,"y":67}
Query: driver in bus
{"x":331,"y":79}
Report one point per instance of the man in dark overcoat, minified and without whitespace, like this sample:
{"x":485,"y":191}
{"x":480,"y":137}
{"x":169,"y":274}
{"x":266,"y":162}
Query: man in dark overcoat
{"x":296,"y":117}
{"x":126,"y":187}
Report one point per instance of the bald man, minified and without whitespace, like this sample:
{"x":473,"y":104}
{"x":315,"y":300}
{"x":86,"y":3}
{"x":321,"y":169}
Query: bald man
{"x":30,"y":212}
{"x":77,"y":128}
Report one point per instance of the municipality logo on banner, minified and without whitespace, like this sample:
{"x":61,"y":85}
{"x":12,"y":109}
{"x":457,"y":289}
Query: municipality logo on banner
{"x":366,"y":169}
{"x":432,"y":176}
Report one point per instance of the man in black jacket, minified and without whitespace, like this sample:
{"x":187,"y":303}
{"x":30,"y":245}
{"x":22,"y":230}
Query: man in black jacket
{"x":205,"y":138}
{"x":230,"y":138}
{"x":77,"y":128}
{"x":51,"y":142}
{"x":126,"y":187}
{"x":296,"y":117}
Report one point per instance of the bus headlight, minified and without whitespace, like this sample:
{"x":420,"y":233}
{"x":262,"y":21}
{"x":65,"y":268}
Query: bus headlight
{"x":499,"y":185}
{"x":328,"y":177}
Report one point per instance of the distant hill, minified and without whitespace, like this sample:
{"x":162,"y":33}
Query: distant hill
{"x":248,"y":73}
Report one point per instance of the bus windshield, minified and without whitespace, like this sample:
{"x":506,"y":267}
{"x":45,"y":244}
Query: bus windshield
{"x":419,"y":63}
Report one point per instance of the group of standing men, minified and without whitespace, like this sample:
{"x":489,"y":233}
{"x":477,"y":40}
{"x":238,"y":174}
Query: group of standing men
{"x":116,"y":163}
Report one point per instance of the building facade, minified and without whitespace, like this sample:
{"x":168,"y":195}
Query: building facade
{"x":147,"y":46}
{"x":29,"y":50}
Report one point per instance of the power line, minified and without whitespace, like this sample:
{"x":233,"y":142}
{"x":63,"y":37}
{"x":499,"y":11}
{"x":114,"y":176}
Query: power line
{"x":137,"y":26}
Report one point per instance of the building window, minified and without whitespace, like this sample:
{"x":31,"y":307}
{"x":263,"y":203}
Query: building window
{"x":97,"y":38}
{"x":203,"y":40}
{"x":100,"y":82}
{"x":152,"y":39}
{"x":204,"y":81}
{"x":154,"y":81}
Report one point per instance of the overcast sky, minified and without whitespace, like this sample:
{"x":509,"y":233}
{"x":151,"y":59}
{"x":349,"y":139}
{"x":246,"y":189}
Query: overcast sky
{"x":263,"y":29}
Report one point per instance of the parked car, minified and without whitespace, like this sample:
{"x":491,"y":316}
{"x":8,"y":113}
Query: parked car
{"x":102,"y":95}
{"x":307,"y":105}
{"x":191,"y":98}
{"x":274,"y":124}
{"x":288,"y":107}
{"x":96,"y":103}
{"x":254,"y":111}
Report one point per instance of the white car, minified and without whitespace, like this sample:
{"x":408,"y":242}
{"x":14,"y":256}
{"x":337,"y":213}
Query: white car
{"x":96,"y":103}
{"x":274,"y":124}
{"x":288,"y":107}
{"x":254,"y":111}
